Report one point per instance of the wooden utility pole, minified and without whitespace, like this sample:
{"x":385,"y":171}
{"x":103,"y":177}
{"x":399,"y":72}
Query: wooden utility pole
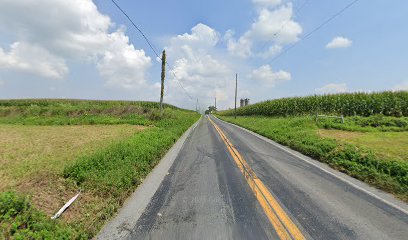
{"x":236,"y":87}
{"x":215,"y":110}
{"x":163,"y":76}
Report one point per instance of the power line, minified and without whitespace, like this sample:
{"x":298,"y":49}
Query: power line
{"x":151,"y":46}
{"x":315,"y":30}
{"x":138,"y":29}
{"x":178,"y":81}
{"x":303,"y":5}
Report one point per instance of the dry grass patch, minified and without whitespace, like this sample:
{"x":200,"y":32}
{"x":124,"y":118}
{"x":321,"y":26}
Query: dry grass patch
{"x":33,"y":158}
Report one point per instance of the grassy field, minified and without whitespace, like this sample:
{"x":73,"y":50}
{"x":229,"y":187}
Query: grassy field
{"x":30,"y":150}
{"x":372,"y":153}
{"x":385,"y":145}
{"x":53,"y":148}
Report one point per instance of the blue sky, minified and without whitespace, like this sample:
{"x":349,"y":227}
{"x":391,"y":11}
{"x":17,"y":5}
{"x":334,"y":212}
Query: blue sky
{"x":89,"y":50}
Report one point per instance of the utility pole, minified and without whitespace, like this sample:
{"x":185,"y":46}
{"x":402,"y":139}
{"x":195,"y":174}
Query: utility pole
{"x":215,"y":105}
{"x":197,"y":105}
{"x":236,"y":87}
{"x":163,"y":75}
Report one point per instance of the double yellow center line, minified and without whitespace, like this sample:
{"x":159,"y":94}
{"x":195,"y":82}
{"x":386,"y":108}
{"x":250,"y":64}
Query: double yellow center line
{"x":284,"y":226}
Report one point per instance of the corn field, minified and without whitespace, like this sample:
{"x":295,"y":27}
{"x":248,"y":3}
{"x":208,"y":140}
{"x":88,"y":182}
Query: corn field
{"x":347,"y":104}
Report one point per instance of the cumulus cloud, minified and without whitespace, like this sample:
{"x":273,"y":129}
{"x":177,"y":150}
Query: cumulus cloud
{"x":123,"y":65}
{"x":241,"y":47}
{"x":201,"y":72}
{"x":274,"y":27}
{"x":271,"y":52}
{"x":339,"y":42}
{"x":270,"y":22}
{"x":332,"y":88}
{"x":33,"y":59}
{"x":268,"y":77}
{"x":68,"y":31}
{"x":201,"y":37}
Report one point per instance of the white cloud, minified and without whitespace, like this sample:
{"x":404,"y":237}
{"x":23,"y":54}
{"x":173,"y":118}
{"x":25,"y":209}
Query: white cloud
{"x":271,"y":52}
{"x":339,"y":42}
{"x":202,"y":72}
{"x":202,"y":38}
{"x":268,"y":77}
{"x":241,"y":47}
{"x":401,"y":87}
{"x":123,"y":65}
{"x":60,"y":31}
{"x":274,"y":27}
{"x":32,"y":59}
{"x":332,"y":88}
{"x":271,"y":22}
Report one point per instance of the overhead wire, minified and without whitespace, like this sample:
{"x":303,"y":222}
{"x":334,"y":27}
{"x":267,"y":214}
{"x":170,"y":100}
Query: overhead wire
{"x":137,"y":28}
{"x":152,"y":47}
{"x":315,"y":30}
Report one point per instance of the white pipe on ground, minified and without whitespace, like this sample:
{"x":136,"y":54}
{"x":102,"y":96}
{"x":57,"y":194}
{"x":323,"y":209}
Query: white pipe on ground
{"x":65,"y":206}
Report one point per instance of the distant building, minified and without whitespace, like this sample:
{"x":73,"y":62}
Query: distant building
{"x":246,"y":100}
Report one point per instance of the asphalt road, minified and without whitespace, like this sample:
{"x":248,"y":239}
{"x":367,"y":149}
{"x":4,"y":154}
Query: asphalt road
{"x":227,"y":183}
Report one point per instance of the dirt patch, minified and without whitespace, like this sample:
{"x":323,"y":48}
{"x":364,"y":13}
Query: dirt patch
{"x":338,"y":134}
{"x":139,"y":127}
{"x":49,"y":192}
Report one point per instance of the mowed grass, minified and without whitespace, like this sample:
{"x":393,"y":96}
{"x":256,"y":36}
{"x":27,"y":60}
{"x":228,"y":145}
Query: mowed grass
{"x":33,"y":150}
{"x":54,"y":148}
{"x":358,"y":154}
{"x":33,"y":159}
{"x":385,"y":145}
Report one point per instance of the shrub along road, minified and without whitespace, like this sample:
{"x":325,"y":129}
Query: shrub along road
{"x":227,"y":183}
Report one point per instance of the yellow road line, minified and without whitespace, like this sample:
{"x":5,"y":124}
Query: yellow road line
{"x":284,"y":226}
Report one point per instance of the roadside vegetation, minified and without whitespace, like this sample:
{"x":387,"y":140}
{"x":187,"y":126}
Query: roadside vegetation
{"x":371,"y":148}
{"x":347,"y":104}
{"x":106,"y":153}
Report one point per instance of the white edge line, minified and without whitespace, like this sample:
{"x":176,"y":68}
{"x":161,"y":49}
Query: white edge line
{"x":317,"y":166}
{"x":197,"y":123}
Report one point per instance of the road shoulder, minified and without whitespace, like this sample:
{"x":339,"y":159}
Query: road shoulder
{"x":375,"y":193}
{"x":121,"y":225}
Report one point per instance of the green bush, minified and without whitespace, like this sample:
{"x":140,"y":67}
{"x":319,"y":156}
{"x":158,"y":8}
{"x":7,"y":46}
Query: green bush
{"x":367,"y":124}
{"x":79,"y":112}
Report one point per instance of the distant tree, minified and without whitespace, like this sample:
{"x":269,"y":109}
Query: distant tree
{"x":211,"y":109}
